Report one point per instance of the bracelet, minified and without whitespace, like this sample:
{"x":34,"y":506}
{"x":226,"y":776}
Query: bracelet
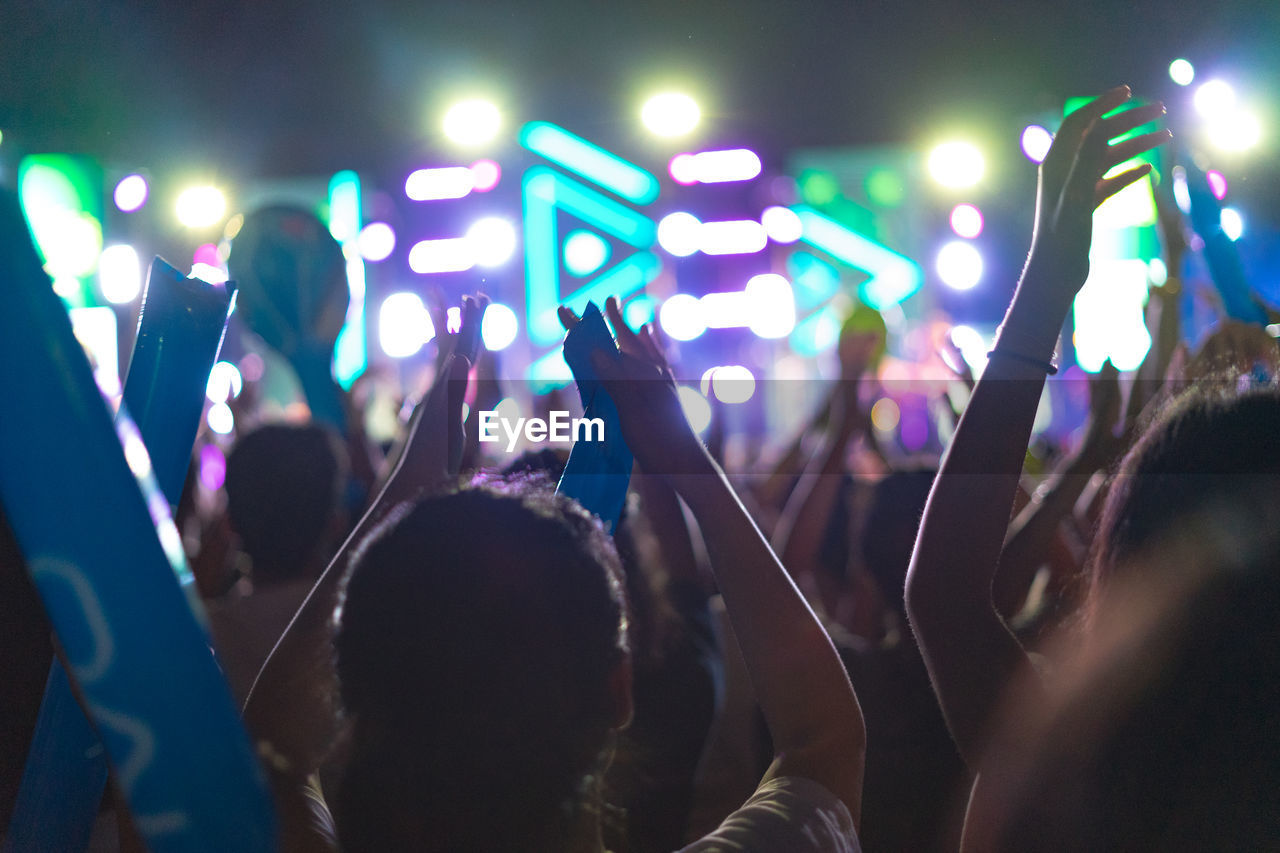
{"x":1047,"y":366}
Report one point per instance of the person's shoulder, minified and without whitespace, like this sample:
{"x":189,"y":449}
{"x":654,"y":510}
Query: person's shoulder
{"x":789,"y":813}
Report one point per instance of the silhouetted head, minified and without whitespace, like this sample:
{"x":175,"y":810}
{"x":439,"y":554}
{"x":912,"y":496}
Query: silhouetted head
{"x":481,"y":650}
{"x":284,"y":485}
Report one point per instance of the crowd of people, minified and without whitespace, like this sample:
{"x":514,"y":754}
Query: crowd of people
{"x":434,"y":652}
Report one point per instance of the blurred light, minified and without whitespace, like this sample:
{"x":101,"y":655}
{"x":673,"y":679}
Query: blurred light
{"x":499,"y":326}
{"x":232,"y":228}
{"x":680,"y":233}
{"x":1235,"y":131}
{"x":956,"y":164}
{"x":201,"y":207}
{"x":213,"y":467}
{"x":731,"y":383}
{"x":639,"y":311}
{"x":131,"y":193}
{"x":885,"y":188}
{"x":452,"y":254}
{"x":1217,"y":184}
{"x":1157,"y":271}
{"x":206,"y":253}
{"x":697,"y":411}
{"x":404,"y":325}
{"x":1182,"y":72}
{"x":894,"y":277}
{"x":224,"y":382}
{"x":377,"y":241}
{"x":1108,"y":313}
{"x":584,"y":252}
{"x":508,"y":409}
{"x":1273,"y":329}
{"x":60,"y":195}
{"x":485,"y":175}
{"x":135,"y":454}
{"x":771,"y":307}
{"x":966,"y":220}
{"x":221,"y":419}
{"x":96,"y":330}
{"x":252,"y":367}
{"x":1232,"y":223}
{"x":472,"y":122}
{"x":120,"y":274}
{"x":885,"y":415}
{"x":344,"y":206}
{"x":959,"y":265}
{"x":681,"y":317}
{"x":1215,"y":99}
{"x":436,"y":184}
{"x":732,"y":237}
{"x":781,"y":224}
{"x":72,"y":243}
{"x":973,"y":347}
{"x":819,"y":188}
{"x":453,"y":319}
{"x":67,"y":288}
{"x":208,"y":273}
{"x":590,"y":161}
{"x":1036,"y":142}
{"x":493,"y":241}
{"x":715,"y":167}
{"x":670,"y":114}
{"x":1181,"y":195}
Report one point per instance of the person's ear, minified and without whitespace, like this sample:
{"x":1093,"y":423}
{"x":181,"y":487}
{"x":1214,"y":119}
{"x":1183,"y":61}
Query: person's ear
{"x":620,"y":693}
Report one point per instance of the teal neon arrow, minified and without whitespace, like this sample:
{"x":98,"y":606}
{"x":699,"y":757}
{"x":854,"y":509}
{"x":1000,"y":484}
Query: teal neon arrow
{"x":894,"y":277}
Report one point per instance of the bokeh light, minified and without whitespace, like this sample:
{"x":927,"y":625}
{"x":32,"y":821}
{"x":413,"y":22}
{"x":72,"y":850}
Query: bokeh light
{"x":493,"y":241}
{"x":1232,"y":223}
{"x":681,"y":317}
{"x":959,"y":265}
{"x":584,"y":252}
{"x":966,"y":220}
{"x":1238,"y":130}
{"x":485,"y":174}
{"x":404,"y":325}
{"x":451,"y":254}
{"x":120,"y":274}
{"x":1036,"y":142}
{"x":715,"y":167}
{"x":225,"y":382}
{"x":444,"y":183}
{"x":771,"y":306}
{"x":680,"y":233}
{"x":1217,"y":184}
{"x":201,"y":207}
{"x":731,"y":384}
{"x":376,"y":241}
{"x":885,"y":415}
{"x":1182,"y":72}
{"x":732,"y":237}
{"x":474,"y":121}
{"x":499,"y":327}
{"x":1215,"y":99}
{"x":697,"y":411}
{"x":131,"y":193}
{"x":781,"y":224}
{"x":670,"y":114}
{"x":213,"y":467}
{"x":221,"y":419}
{"x":956,"y":164}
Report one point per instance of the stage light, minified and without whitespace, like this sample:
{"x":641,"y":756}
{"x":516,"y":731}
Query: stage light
{"x":213,"y":467}
{"x":225,"y":382}
{"x":732,"y":237}
{"x":472,"y":122}
{"x":499,"y":326}
{"x":485,"y":175}
{"x":376,"y":242}
{"x":884,"y":187}
{"x":697,"y":411}
{"x":201,"y":207}
{"x":639,"y":311}
{"x":1182,"y":72}
{"x":584,"y":253}
{"x":966,"y":220}
{"x":120,"y":274}
{"x":781,"y":224}
{"x":435,"y":184}
{"x":973,"y":347}
{"x":680,"y":233}
{"x":1036,"y":142}
{"x":715,"y":167}
{"x":1217,"y":184}
{"x":894,"y":277}
{"x":1181,"y":194}
{"x":1157,"y":271}
{"x":493,"y":241}
{"x":959,"y":265}
{"x":452,"y":254}
{"x":97,"y":331}
{"x":1232,"y":223}
{"x":1235,"y":131}
{"x":453,"y":319}
{"x":885,"y":415}
{"x":956,"y":164}
{"x":771,"y":306}
{"x":590,"y":161}
{"x":131,"y":193}
{"x":730,"y":383}
{"x":1215,"y":99}
{"x":681,"y":317}
{"x":252,"y":367}
{"x":670,"y":114}
{"x":221,"y":419}
{"x":404,"y":325}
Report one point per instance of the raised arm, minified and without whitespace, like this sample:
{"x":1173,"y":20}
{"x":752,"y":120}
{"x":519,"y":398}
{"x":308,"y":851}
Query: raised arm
{"x":970,"y":653}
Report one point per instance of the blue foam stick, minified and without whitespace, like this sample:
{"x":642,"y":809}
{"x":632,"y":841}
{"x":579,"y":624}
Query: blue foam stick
{"x":180,"y":330}
{"x":598,"y":472}
{"x":1220,"y":251}
{"x":107,"y":561}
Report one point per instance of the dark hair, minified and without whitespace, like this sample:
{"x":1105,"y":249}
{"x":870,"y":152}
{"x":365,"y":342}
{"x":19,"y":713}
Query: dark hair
{"x":476,"y":637}
{"x":284,"y":483}
{"x":890,"y":528}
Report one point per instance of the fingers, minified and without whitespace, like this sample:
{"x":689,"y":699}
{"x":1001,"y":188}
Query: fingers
{"x":1077,"y":125}
{"x":1131,"y":148}
{"x":1108,"y":187}
{"x":1122,"y":123}
{"x":627,"y":340}
{"x":568,"y":319}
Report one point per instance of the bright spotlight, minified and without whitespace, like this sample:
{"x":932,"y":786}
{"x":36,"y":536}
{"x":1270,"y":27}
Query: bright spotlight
{"x":1036,"y":142}
{"x":376,"y":241}
{"x":493,"y":241}
{"x":670,"y":114}
{"x":956,"y":164}
{"x":584,"y":253}
{"x":201,"y":207}
{"x":1232,"y":223}
{"x":444,"y":183}
{"x":404,"y":325}
{"x":221,"y":419}
{"x":771,"y":306}
{"x":959,"y":265}
{"x":131,"y":193}
{"x":781,"y":224}
{"x":1215,"y":99}
{"x":697,"y":411}
{"x":1217,"y":183}
{"x":1182,"y":72}
{"x":966,"y":220}
{"x":1157,"y":272}
{"x":451,"y":254}
{"x":472,"y":122}
{"x":225,"y":382}
{"x":120,"y":274}
{"x":681,"y":317}
{"x":485,"y":174}
{"x":680,"y":233}
{"x":731,"y":383}
{"x":1236,"y":131}
{"x":499,"y":326}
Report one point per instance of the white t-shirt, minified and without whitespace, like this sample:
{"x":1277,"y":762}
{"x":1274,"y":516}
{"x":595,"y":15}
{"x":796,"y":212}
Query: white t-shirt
{"x":789,"y":814}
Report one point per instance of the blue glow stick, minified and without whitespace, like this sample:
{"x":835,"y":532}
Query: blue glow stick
{"x":598,"y":472}
{"x":107,"y":561}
